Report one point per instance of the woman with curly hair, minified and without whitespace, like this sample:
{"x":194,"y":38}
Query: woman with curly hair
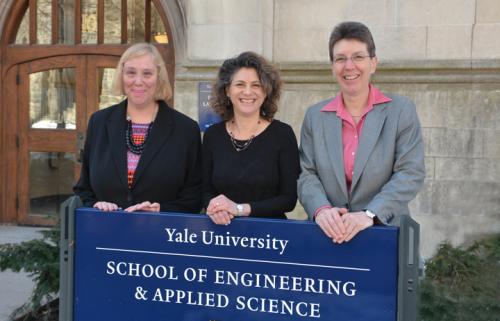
{"x":250,"y":159}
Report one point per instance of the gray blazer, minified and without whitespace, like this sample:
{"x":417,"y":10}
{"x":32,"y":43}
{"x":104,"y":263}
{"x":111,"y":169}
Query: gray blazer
{"x":389,"y":166}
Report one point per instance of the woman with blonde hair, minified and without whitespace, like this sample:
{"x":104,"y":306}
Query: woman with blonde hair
{"x":141,"y":154}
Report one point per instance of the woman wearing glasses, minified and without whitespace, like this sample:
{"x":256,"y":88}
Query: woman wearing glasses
{"x":362,"y":155}
{"x":141,"y":154}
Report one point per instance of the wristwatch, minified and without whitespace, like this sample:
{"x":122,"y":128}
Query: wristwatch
{"x":370,"y":214}
{"x":239,"y":208}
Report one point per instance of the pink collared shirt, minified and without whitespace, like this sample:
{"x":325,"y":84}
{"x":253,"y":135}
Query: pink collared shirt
{"x":350,"y":131}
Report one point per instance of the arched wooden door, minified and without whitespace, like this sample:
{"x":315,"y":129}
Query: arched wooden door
{"x":52,"y":82}
{"x":55,"y":97}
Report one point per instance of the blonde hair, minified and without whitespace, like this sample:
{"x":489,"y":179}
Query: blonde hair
{"x":163,"y":89}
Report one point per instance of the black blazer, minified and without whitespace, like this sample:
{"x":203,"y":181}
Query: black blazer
{"x":169,"y":170}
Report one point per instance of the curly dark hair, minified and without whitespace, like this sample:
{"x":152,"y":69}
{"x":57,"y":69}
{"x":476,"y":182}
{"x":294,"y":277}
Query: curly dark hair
{"x":351,"y":30}
{"x":269,"y":78}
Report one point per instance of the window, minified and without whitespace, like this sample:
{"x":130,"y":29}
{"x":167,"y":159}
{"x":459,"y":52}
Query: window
{"x":91,"y":22}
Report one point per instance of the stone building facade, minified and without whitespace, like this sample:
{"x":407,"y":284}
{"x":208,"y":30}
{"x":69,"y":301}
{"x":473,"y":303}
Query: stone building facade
{"x":443,"y":54}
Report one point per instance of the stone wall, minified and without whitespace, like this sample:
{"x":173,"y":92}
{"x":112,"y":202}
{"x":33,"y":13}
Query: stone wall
{"x":443,"y":54}
{"x":403,"y":29}
{"x":218,"y":29}
{"x":440,"y":53}
{"x":298,"y":30}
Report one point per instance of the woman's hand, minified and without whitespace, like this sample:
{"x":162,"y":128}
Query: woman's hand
{"x":106,"y":206}
{"x":221,"y":217}
{"x":330,"y":221}
{"x":221,"y":210}
{"x":222,"y":203}
{"x":354,"y":223}
{"x":144,"y":206}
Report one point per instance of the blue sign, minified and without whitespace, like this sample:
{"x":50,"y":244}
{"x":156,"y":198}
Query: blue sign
{"x":183,"y":267}
{"x":206,"y":115}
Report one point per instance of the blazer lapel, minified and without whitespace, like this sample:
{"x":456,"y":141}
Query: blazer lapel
{"x":332,"y":129}
{"x":116,"y":137}
{"x":371,"y":131}
{"x":162,"y":128}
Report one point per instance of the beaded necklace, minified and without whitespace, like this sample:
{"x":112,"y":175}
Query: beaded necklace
{"x":131,"y":145}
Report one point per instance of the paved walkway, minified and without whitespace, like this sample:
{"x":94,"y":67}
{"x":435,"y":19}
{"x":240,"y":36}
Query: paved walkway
{"x":15,"y":288}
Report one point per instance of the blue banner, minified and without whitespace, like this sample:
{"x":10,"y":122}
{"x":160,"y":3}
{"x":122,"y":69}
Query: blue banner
{"x":183,"y":267}
{"x":206,"y":115}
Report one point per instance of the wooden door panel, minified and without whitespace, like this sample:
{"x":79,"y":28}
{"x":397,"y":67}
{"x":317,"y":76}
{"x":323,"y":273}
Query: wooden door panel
{"x":54,"y":140}
{"x":52,"y":144}
{"x":47,"y":135}
{"x":94,"y":66}
{"x":10,"y":146}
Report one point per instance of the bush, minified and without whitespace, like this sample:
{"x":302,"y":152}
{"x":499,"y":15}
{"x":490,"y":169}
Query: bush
{"x":463,"y":284}
{"x":40,"y":259}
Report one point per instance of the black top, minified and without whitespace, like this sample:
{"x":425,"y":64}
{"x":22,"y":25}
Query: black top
{"x":263,"y":175}
{"x":168,"y":172}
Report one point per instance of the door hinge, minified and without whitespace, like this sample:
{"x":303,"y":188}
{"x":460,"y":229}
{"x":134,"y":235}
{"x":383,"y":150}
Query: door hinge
{"x":18,"y":143}
{"x":18,"y":79}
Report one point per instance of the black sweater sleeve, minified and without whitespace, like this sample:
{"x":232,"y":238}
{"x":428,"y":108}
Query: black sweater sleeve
{"x":208,"y":190}
{"x":289,"y":169}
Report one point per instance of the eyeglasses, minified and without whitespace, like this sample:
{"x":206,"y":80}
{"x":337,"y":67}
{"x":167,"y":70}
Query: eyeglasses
{"x":356,"y":58}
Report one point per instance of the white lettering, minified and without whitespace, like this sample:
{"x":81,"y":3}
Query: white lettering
{"x":207,"y":299}
{"x":183,"y":236}
{"x":141,"y":270}
{"x":284,"y":282}
{"x":285,"y":307}
{"x":111,"y":267}
{"x":267,"y":243}
{"x":199,"y":275}
{"x":349,"y":288}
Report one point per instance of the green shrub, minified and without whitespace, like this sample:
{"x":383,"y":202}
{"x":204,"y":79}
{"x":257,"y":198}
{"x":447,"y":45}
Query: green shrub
{"x":40,"y":259}
{"x":463,"y":284}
